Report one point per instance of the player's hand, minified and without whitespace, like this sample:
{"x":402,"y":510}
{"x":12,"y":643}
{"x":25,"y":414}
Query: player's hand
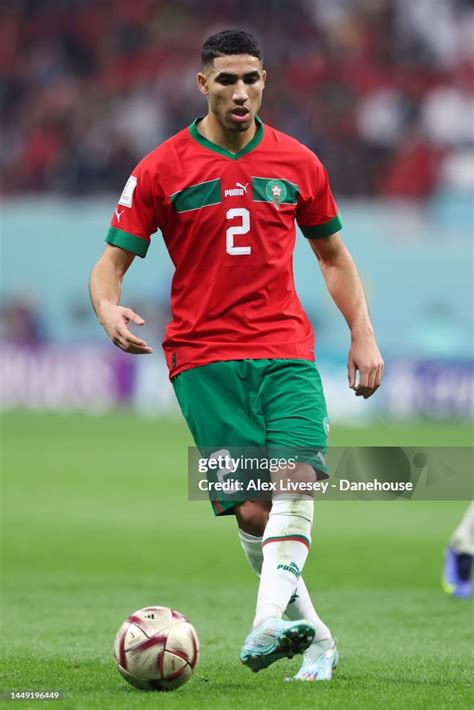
{"x":115,"y":320}
{"x":365,"y":357}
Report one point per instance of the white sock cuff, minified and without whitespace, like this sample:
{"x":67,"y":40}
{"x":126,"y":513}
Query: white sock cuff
{"x":298,"y":507}
{"x":290,"y":520}
{"x":251,"y":543}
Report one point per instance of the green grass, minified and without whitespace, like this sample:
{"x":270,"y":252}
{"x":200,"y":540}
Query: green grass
{"x":96,"y":524}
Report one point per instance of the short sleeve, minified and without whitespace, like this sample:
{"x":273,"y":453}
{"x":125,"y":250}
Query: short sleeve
{"x":317,"y":214}
{"x":138,"y":212}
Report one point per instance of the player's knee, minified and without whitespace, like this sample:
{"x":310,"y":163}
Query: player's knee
{"x":303,"y":473}
{"x":252,"y":516}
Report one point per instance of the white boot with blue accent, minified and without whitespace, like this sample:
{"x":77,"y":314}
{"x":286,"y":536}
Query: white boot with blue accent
{"x":319,"y":662}
{"x":274,"y":639}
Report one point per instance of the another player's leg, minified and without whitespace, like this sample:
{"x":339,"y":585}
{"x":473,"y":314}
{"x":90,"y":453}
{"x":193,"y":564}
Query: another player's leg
{"x":458,"y":558}
{"x":320,"y":657}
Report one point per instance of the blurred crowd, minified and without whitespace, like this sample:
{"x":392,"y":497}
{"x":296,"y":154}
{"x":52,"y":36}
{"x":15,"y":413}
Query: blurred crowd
{"x":381,"y":90}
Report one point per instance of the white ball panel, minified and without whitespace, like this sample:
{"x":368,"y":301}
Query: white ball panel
{"x":172,"y":665}
{"x":182,"y":640}
{"x":144,"y":664}
{"x":134,"y":636}
{"x":128,"y":635}
{"x":152,"y":619}
{"x":171,"y":683}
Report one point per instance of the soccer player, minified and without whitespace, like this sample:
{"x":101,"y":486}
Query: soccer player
{"x":225,"y":193}
{"x":457,"y":569}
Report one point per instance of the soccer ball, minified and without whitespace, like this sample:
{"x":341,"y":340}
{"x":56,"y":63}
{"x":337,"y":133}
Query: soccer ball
{"x":156,"y":648}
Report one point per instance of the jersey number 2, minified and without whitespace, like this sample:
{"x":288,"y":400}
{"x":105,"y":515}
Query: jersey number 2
{"x":238,"y":229}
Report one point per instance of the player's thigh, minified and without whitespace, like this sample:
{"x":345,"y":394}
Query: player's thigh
{"x":220,"y":404}
{"x":295,"y":412}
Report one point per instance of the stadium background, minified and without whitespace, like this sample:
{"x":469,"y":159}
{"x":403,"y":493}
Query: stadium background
{"x":95,"y":517}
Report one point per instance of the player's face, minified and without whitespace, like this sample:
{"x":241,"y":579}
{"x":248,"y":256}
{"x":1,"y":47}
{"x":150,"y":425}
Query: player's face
{"x":233,"y":85}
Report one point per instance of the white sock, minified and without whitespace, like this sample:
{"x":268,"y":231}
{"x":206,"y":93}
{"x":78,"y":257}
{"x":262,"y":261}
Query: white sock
{"x":285,"y":546}
{"x":252,"y":547}
{"x":462,"y":539}
{"x":300,"y":605}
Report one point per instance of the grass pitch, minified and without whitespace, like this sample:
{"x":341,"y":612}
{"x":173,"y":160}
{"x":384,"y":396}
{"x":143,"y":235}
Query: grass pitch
{"x":96,"y":524}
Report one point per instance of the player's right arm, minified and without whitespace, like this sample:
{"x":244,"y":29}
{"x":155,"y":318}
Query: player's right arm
{"x":135,"y":218}
{"x":105,"y":287}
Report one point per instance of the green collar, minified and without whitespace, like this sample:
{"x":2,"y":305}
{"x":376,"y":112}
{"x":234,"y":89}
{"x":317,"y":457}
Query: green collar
{"x":222,"y":151}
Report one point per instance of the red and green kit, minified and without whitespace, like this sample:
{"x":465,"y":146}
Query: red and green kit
{"x":228,"y":221}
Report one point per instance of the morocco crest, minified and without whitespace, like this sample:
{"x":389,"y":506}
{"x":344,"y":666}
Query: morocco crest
{"x":276,"y":192}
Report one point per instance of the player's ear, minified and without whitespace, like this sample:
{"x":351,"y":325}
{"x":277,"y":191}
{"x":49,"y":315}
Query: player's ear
{"x":202,"y":83}
{"x":264,"y":77}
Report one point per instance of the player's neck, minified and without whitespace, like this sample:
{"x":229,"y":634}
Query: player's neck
{"x":211,"y":129}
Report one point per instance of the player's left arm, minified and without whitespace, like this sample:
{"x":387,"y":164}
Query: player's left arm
{"x":345,"y":287}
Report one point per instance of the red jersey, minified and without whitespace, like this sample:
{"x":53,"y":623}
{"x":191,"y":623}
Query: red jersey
{"x":228,"y":221}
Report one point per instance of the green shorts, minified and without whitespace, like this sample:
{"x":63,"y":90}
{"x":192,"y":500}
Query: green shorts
{"x":269,"y":404}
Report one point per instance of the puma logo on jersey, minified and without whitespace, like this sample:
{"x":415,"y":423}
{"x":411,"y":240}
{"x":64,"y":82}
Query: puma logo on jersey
{"x":237,"y":191}
{"x":118,"y":214}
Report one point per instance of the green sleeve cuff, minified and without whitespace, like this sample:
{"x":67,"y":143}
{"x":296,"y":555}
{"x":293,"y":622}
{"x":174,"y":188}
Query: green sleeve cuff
{"x":127,"y":241}
{"x":323,"y":230}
